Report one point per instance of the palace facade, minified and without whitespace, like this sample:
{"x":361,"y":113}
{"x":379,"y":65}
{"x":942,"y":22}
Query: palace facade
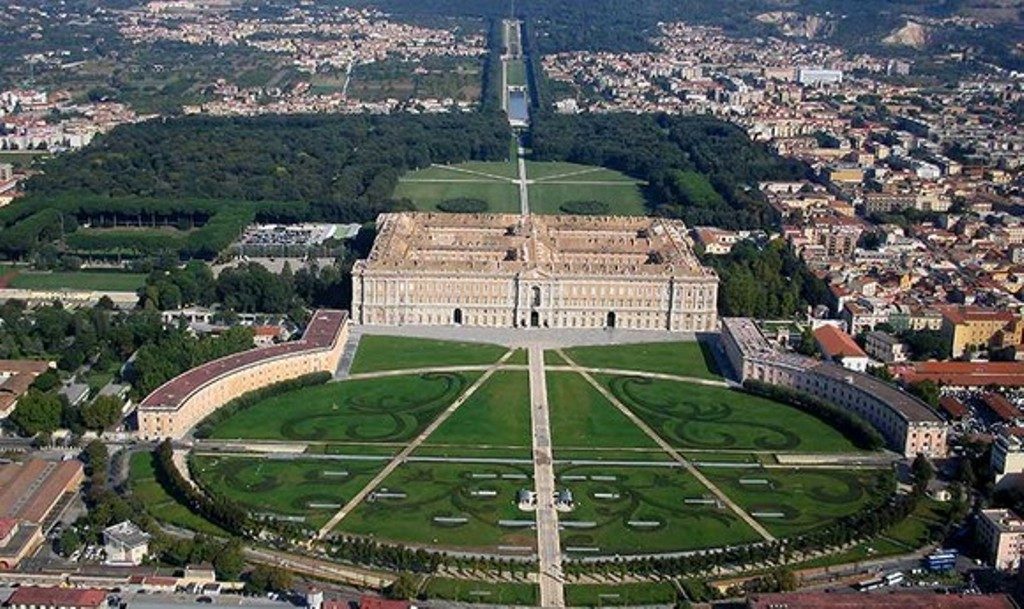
{"x":507,"y":270}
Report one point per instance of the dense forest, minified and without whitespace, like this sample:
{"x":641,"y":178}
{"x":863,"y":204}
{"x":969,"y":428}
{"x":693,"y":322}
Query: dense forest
{"x":700,"y":169}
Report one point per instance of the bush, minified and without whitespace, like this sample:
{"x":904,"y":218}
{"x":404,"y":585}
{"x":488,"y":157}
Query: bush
{"x":463,"y":206}
{"x":584,"y":208}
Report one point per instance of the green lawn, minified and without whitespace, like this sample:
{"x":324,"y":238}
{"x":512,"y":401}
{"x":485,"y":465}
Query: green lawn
{"x":310,"y":489}
{"x":621,"y":199}
{"x":158,"y":502}
{"x":476,"y":492}
{"x":399,"y":353}
{"x":582,"y":418}
{"x":519,"y":357}
{"x":592,"y":595}
{"x":644,"y":509}
{"x":792,"y":501}
{"x":508,"y":594}
{"x":612,"y":454}
{"x":515,"y":73}
{"x":694,"y":416}
{"x":691,"y":359}
{"x":497,"y":414}
{"x":392,"y":409}
{"x":81,"y":280}
{"x":501,"y":197}
{"x":555,"y":171}
{"x":552,"y":358}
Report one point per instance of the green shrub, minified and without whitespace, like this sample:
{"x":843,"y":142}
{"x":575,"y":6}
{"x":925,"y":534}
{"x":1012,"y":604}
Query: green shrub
{"x":584,"y":208}
{"x":463,"y":206}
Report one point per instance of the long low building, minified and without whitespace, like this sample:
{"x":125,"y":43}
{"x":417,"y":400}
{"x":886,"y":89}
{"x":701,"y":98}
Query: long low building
{"x":32,"y":495}
{"x":962,"y":374}
{"x":177,"y":405}
{"x":908,"y":425}
{"x":507,"y":270}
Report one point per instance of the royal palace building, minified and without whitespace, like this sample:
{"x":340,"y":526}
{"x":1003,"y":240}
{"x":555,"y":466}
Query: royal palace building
{"x":506,"y":270}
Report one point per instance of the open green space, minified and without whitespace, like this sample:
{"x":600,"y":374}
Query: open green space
{"x":308,"y":489}
{"x":497,"y":413}
{"x":695,"y":416}
{"x":506,"y":594}
{"x":552,"y":358}
{"x":625,"y":510}
{"x":792,"y":501}
{"x":475,"y":452}
{"x":470,"y":171}
{"x":556,"y":171}
{"x":582,"y":418}
{"x":645,"y":593}
{"x":501,"y":197}
{"x":612,"y":454}
{"x":519,"y":357}
{"x":389,"y":409}
{"x":377,"y":353}
{"x":447,"y":505}
{"x":515,"y":74}
{"x":80,"y":280}
{"x":158,"y":502}
{"x":693,"y":359}
{"x":620,"y":199}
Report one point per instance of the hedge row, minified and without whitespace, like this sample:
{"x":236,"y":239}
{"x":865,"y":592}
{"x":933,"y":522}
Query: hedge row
{"x":859,"y":431}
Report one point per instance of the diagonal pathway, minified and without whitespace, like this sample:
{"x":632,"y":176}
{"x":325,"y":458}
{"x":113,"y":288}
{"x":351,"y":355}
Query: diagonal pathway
{"x":549,"y":546}
{"x":405,"y":452}
{"x":566,"y":175}
{"x":672,"y":452}
{"x":475,"y":173}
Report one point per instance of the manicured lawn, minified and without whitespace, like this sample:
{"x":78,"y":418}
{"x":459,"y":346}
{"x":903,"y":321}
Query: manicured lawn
{"x":311,"y":489}
{"x":791,"y":501}
{"x":519,"y":357}
{"x":622,"y":199}
{"x":471,"y":171}
{"x":477,"y":493}
{"x":682,"y":359}
{"x":81,"y":280}
{"x":581,"y":417}
{"x":555,"y":171}
{"x":697,"y":416}
{"x":159,"y":503}
{"x":515,"y":75}
{"x":611,"y":454}
{"x":399,"y":353}
{"x":391,"y":409}
{"x":552,"y":358}
{"x":648,"y":593}
{"x":522,"y":594}
{"x":501,"y":197}
{"x":498,"y":414}
{"x":491,"y":452}
{"x":625,"y":510}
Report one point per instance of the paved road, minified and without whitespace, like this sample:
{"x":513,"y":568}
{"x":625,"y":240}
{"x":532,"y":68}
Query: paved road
{"x":524,"y":192}
{"x":547,"y":338}
{"x":672,"y":452}
{"x":405,"y":452}
{"x":549,"y":549}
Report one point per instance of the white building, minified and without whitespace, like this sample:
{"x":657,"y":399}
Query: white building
{"x":1007,"y":461}
{"x":1001,"y":534}
{"x":885,"y":347}
{"x":125,"y":544}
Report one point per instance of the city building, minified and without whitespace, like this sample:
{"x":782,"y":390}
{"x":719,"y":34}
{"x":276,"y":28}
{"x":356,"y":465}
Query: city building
{"x":16,"y":376}
{"x":840,"y":347}
{"x":33,"y":494}
{"x":889,"y":600}
{"x":819,"y":76}
{"x":1000,"y":533}
{"x":17,"y":541}
{"x":177,"y":405}
{"x":1007,"y":460}
{"x":125,"y":544}
{"x":504,"y":270}
{"x":975,"y":328}
{"x":908,"y":425}
{"x":33,"y":597}
{"x":962,"y":374}
{"x":885,"y":347}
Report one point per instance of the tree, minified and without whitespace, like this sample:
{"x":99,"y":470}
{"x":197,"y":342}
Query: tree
{"x":37,"y":412}
{"x":264,"y":579}
{"x":927,"y":390}
{"x":922,"y":472}
{"x":229,"y":562}
{"x":68,"y":542}
{"x":404,"y":587}
{"x":102,"y":413}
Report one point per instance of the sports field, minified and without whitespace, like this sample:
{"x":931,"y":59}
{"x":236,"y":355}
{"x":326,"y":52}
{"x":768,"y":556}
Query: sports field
{"x":457,"y":489}
{"x":80,"y":280}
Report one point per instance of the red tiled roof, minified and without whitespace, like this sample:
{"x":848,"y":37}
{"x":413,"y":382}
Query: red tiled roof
{"x":964,"y":374}
{"x":29,"y":490}
{"x":373,"y":602}
{"x":1001,"y":406}
{"x":959,"y":315}
{"x":57,"y":597}
{"x":7,"y":525}
{"x":895,"y":600}
{"x":320,"y":334}
{"x":836,"y":343}
{"x":953,"y":407}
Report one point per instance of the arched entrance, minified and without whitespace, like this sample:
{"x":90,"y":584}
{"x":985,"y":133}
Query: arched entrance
{"x":610,"y":320}
{"x":535,"y":293}
{"x":457,"y":317}
{"x":534,"y":319}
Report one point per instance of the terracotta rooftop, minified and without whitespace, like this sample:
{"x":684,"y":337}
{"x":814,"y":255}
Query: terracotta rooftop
{"x":65,"y":598}
{"x":963,"y":374}
{"x":836,"y":343}
{"x":959,"y":315}
{"x":29,"y":490}
{"x":373,"y":602}
{"x":320,"y":333}
{"x":953,"y":407}
{"x":1001,"y":406}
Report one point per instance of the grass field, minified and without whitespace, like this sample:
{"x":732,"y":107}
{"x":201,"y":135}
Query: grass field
{"x":691,"y":359}
{"x":309,"y":489}
{"x":161,"y":505}
{"x":477,"y":493}
{"x":81,"y":280}
{"x":622,"y":199}
{"x":497,"y":414}
{"x":644,"y":509}
{"x":509,"y":594}
{"x":500,"y":197}
{"x":582,"y":418}
{"x":648,"y":593}
{"x":399,"y":353}
{"x":515,"y":75}
{"x":701,"y":417}
{"x":792,"y":501}
{"x":391,"y":409}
